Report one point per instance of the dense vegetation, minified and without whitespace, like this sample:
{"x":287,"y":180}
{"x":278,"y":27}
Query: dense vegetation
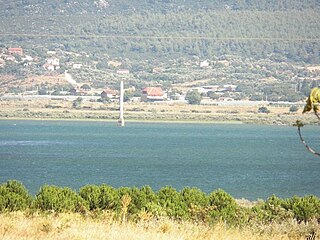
{"x":56,"y":7}
{"x":167,"y":29}
{"x":133,"y":203}
{"x":263,"y":47}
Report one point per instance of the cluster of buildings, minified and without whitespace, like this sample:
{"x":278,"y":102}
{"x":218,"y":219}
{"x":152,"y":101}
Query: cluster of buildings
{"x":216,"y":89}
{"x":149,"y":94}
{"x":16,"y":54}
{"x":12,"y":54}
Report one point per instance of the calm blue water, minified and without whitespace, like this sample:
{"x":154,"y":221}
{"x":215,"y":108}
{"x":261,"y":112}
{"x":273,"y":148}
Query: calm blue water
{"x":249,"y":161}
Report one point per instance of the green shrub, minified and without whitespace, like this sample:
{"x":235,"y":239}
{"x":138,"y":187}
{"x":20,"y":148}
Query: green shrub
{"x":224,"y":207}
{"x":109,"y":198}
{"x":197,"y":203}
{"x":188,"y":204}
{"x":144,"y":199}
{"x":263,"y":110}
{"x":52,"y":198}
{"x":141,"y":199}
{"x":92,"y":195}
{"x":194,"y":196}
{"x":272,"y":210}
{"x":304,"y":208}
{"x":172,"y":203}
{"x":14,"y":196}
{"x":293,"y":108}
{"x":102,"y":197}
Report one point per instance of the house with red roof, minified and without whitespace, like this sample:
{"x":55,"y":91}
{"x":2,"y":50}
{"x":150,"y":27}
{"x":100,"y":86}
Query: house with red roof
{"x":123,"y":71}
{"x":152,"y":94}
{"x":15,"y":51}
{"x":109,"y":93}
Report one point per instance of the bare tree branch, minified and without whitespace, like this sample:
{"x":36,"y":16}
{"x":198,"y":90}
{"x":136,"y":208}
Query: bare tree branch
{"x":299,"y":124}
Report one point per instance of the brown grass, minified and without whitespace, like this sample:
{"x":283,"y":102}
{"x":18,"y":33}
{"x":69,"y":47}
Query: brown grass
{"x":60,"y":109}
{"x":74,"y":226}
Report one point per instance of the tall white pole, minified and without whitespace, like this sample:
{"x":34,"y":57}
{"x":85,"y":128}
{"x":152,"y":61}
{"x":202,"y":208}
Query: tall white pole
{"x":121,"y":119}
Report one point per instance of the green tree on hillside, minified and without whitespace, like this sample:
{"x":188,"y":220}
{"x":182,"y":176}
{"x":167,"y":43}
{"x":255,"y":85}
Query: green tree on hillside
{"x":193,"y":97}
{"x":77,"y":103}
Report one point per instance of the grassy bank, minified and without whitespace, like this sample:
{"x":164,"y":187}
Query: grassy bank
{"x":21,"y":225}
{"x":103,"y":212}
{"x":58,"y":109}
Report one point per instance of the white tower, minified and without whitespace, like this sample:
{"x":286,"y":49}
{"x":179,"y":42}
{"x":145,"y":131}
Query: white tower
{"x":121,"y":119}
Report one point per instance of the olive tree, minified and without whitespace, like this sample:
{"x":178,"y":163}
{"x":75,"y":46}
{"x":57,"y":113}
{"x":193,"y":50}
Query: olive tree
{"x":193,"y":97}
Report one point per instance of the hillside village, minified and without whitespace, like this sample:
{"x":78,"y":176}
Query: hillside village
{"x":59,"y":69}
{"x":52,"y":66}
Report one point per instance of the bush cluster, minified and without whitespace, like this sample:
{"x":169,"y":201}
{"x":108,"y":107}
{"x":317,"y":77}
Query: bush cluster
{"x":187,"y":204}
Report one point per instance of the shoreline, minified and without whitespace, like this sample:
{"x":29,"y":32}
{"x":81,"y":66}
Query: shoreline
{"x":150,"y":113}
{"x":219,"y":119}
{"x":116,"y":122}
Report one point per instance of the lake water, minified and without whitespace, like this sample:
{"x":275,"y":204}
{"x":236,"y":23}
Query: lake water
{"x":247,"y":161}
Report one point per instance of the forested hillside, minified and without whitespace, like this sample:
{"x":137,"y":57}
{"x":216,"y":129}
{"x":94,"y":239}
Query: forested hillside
{"x":58,"y":7}
{"x":262,"y":46}
{"x":167,"y":29}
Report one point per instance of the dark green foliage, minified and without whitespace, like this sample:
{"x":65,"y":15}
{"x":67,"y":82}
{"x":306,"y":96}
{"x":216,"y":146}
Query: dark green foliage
{"x":36,"y":7}
{"x":92,"y":195}
{"x":141,"y":199}
{"x":272,"y":210}
{"x":77,"y":103}
{"x":197,"y":203}
{"x":293,"y":108}
{"x":224,"y":206}
{"x":193,"y":97}
{"x":263,"y":110}
{"x":188,"y":204}
{"x":194,"y":196}
{"x":172,"y":203}
{"x":14,"y":196}
{"x":102,"y":197}
{"x":304,"y":208}
{"x":42,"y":91}
{"x":221,"y":200}
{"x":259,"y":29}
{"x":109,"y":197}
{"x":259,"y":40}
{"x":52,"y":198}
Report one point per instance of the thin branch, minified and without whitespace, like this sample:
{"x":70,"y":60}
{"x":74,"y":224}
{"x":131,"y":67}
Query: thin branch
{"x":304,"y":142}
{"x":316,"y":113}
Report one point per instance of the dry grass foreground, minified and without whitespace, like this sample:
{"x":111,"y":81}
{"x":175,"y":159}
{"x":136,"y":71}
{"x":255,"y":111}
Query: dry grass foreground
{"x":75,"y":226}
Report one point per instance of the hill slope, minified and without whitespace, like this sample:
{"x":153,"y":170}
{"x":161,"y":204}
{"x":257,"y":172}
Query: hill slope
{"x":57,"y":7}
{"x":167,"y":29}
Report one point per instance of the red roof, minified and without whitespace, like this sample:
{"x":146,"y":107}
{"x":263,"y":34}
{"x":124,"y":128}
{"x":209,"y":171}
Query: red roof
{"x":153,"y":91}
{"x":15,"y":50}
{"x":110,"y":91}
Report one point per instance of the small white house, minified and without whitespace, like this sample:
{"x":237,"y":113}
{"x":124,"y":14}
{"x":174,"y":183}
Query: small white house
{"x":53,"y":61}
{"x":204,"y":64}
{"x":77,"y":66}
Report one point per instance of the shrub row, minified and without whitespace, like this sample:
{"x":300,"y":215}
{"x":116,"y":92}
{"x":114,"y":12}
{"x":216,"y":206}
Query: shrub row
{"x":187,"y":204}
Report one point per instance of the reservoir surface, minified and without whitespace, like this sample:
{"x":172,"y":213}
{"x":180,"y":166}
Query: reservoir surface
{"x":247,"y":161}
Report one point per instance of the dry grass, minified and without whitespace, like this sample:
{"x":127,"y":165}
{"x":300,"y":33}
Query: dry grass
{"x":59,"y":109}
{"x":73,"y":226}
